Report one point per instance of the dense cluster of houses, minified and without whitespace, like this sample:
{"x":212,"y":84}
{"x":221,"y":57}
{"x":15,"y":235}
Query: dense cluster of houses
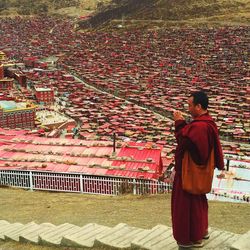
{"x":130,"y":82}
{"x":20,"y":150}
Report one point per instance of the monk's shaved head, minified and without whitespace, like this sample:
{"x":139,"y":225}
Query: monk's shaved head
{"x":200,"y":97}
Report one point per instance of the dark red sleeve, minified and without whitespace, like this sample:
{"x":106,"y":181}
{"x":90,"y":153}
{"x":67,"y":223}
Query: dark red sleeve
{"x":179,"y":125}
{"x":219,"y":157}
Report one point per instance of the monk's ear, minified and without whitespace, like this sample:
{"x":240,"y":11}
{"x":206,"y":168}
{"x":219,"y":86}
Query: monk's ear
{"x":198,"y":106}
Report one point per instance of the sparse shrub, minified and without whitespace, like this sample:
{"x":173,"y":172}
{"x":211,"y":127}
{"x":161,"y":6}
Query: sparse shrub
{"x":41,"y":8}
{"x":24,"y":11}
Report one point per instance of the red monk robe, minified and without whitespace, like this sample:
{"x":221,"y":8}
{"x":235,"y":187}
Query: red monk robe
{"x":190,"y":212}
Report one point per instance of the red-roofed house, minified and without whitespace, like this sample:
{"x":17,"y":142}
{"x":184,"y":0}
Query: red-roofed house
{"x":136,"y":160}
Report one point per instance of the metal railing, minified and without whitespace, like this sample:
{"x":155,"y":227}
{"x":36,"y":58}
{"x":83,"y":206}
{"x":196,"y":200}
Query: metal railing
{"x":81,"y":183}
{"x":104,"y":185}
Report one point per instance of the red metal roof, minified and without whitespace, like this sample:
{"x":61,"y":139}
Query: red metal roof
{"x":137,"y":160}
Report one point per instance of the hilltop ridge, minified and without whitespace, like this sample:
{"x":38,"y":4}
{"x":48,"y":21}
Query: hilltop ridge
{"x":160,"y":13}
{"x":138,"y":13}
{"x":50,"y":7}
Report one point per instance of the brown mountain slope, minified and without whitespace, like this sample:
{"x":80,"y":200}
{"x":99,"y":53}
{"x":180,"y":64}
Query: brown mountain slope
{"x":186,"y":9}
{"x":137,"y":12}
{"x":61,"y":7}
{"x":149,"y":12}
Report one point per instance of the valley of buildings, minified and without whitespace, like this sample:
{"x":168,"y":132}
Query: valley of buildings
{"x":68,"y":93}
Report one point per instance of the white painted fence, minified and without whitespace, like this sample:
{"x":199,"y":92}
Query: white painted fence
{"x":104,"y":185}
{"x":75,"y":182}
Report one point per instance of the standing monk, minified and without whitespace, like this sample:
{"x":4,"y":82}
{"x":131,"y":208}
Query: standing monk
{"x":199,"y":137}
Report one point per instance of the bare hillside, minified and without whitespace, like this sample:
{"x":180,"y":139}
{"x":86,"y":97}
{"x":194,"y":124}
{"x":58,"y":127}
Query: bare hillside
{"x":138,"y":13}
{"x":164,"y":12}
{"x":61,"y":7}
{"x":189,"y":9}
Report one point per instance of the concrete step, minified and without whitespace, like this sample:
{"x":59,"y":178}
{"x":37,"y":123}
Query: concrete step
{"x":9,"y":228}
{"x":159,"y":237}
{"x":85,"y":237}
{"x":231,"y":240}
{"x":54,"y":236}
{"x":31,"y":235}
{"x":119,"y":237}
{"x":242,"y":243}
{"x":14,"y":234}
{"x":219,"y":239}
{"x":3,"y":223}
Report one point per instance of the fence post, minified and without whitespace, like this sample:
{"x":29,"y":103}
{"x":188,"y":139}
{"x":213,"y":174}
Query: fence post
{"x":81,"y":184}
{"x":116,"y":183}
{"x":228,"y":164}
{"x":134,"y":187}
{"x":31,"y":181}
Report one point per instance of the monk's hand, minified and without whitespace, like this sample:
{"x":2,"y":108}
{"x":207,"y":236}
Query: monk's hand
{"x":178,"y":116}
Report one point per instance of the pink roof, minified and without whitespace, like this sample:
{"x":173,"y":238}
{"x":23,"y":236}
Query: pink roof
{"x":137,"y":160}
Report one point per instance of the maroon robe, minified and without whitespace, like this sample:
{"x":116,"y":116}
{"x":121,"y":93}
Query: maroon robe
{"x":189,"y":211}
